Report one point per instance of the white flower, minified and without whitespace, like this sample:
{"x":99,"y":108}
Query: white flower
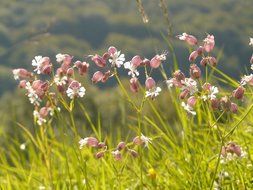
{"x":188,"y":108}
{"x":117,"y":59}
{"x":60,"y":81}
{"x":153,"y":92}
{"x":211,"y":94}
{"x":36,"y":62}
{"x":251,"y":41}
{"x":16,"y":74}
{"x":38,"y":118}
{"x":146,"y":140}
{"x":170,"y":82}
{"x":33,"y":97}
{"x":132,"y":69}
{"x":73,"y":92}
{"x":190,"y":85}
{"x":83,"y":142}
{"x":182,"y":36}
{"x":60,"y":57}
{"x":22,"y":146}
{"x":246,"y":79}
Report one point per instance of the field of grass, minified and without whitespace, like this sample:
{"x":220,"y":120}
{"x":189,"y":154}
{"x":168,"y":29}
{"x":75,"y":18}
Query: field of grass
{"x":157,"y":147}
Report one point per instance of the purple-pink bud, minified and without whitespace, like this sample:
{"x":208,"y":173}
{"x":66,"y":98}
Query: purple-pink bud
{"x":192,"y":101}
{"x":195,"y":71}
{"x":179,"y":75}
{"x":133,"y":153}
{"x":233,"y":108}
{"x":121,"y":146}
{"x":155,"y":62}
{"x":193,"y":56}
{"x":99,"y":61}
{"x":136,"y":61}
{"x":100,"y":154}
{"x":238,"y":93}
{"x":97,"y":77}
{"x":134,"y":85}
{"x":150,"y":83}
{"x":184,"y":94}
{"x":112,"y":50}
{"x":209,"y":43}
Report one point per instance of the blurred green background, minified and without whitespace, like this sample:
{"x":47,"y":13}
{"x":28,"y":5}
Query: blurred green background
{"x":82,"y":27}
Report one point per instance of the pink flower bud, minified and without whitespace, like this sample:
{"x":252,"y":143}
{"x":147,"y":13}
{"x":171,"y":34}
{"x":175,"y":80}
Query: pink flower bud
{"x":225,"y":103}
{"x":21,"y":74}
{"x":112,"y":50}
{"x":215,"y":103}
{"x":195,"y":71}
{"x":106,"y":76}
{"x":233,"y":108}
{"x":204,"y":61}
{"x":97,"y":77}
{"x":209,"y":43}
{"x":200,"y":50}
{"x":238,"y":93}
{"x":22,"y":84}
{"x":99,"y":61}
{"x":193,"y":56}
{"x":117,"y":155}
{"x":100,"y":154}
{"x":43,"y":112}
{"x":178,"y":75}
{"x":207,"y":87}
{"x":136,"y":61}
{"x":150,"y":83}
{"x":92,"y":142}
{"x":70,"y":72}
{"x":234,"y":148}
{"x":121,"y":146}
{"x":184,"y":94}
{"x":137,"y":141}
{"x":101,"y":145}
{"x":251,"y":59}
{"x":83,"y":68}
{"x":134,"y":85}
{"x":146,"y":62}
{"x":133,"y":153}
{"x":190,"y":39}
{"x":47,"y":69}
{"x":212,"y":61}
{"x":155,"y":62}
{"x":106,"y":56}
{"x":192,"y":101}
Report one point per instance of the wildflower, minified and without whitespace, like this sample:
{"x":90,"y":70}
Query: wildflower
{"x":116,"y":59}
{"x":23,"y":146}
{"x":184,"y":94}
{"x":100,"y":154}
{"x":97,"y":77}
{"x":179,"y":75}
{"x":251,"y":41}
{"x":190,"y":85}
{"x":188,"y":108}
{"x":132,"y":68}
{"x":101,"y":145}
{"x":39,"y":118}
{"x":231,"y":151}
{"x":145,"y":62}
{"x":170,"y":82}
{"x":212,"y":91}
{"x":238,"y":93}
{"x":191,"y":101}
{"x":215,"y":103}
{"x":82,"y":67}
{"x":89,"y":141}
{"x":209,"y":43}
{"x":193,"y":56}
{"x":22,"y":84}
{"x":233,"y":108}
{"x":60,"y":81}
{"x":137,"y":61}
{"x":142,"y":140}
{"x":225,"y":103}
{"x":75,"y":89}
{"x":117,"y":155}
{"x":150,"y":83}
{"x":21,"y":74}
{"x":200,"y":50}
{"x":63,"y":58}
{"x":153,"y":92}
{"x":190,"y":39}
{"x":134,"y":86}
{"x":36,"y":62}
{"x":121,"y":146}
{"x":98,"y":60}
{"x":247,"y":79}
{"x":157,"y":60}
{"x":133,"y":153}
{"x":31,"y":93}
{"x":195,"y":71}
